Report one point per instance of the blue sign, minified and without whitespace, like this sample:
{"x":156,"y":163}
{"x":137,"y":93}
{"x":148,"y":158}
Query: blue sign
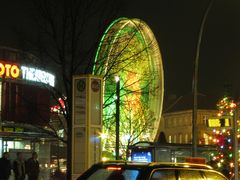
{"x":142,"y":156}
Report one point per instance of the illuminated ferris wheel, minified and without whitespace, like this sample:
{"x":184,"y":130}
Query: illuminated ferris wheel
{"x":128,"y":49}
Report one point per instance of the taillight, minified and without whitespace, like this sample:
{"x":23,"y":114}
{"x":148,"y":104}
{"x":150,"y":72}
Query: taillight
{"x":114,"y":168}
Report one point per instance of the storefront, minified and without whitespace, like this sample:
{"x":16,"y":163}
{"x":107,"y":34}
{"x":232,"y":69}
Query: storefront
{"x":25,"y":101}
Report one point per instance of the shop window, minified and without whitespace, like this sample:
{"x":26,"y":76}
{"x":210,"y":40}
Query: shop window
{"x":186,"y":138}
{"x":206,"y":138}
{"x":175,"y":139}
{"x":169,"y":139}
{"x":18,"y":145}
{"x":25,"y":103}
{"x":180,"y":138}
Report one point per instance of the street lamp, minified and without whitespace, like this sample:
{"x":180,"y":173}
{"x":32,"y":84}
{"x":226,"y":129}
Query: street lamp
{"x":195,"y":83}
{"x":117,"y":79}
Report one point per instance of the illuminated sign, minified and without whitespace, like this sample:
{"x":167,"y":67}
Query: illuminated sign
{"x":7,"y":129}
{"x":214,"y":123}
{"x":9,"y":70}
{"x":37,"y":75}
{"x":12,"y":129}
{"x":28,"y":73}
{"x":142,"y":156}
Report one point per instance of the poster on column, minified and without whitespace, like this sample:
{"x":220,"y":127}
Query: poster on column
{"x":87,"y":123}
{"x":80,"y":101}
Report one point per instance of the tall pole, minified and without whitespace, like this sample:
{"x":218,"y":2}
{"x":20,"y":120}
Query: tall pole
{"x":235,"y":141}
{"x":117,"y":116}
{"x":195,"y":84}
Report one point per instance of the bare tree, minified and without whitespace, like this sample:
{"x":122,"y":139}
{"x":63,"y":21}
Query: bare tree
{"x":66,"y":36}
{"x":68,"y":33}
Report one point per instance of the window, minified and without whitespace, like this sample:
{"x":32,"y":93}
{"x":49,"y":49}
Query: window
{"x":25,"y":103}
{"x":167,"y":123}
{"x":168,"y":174}
{"x":174,"y":122}
{"x":103,"y":174}
{"x":186,"y":121}
{"x":206,"y":137}
{"x":169,"y":139}
{"x":175,"y":139}
{"x":186,"y":138}
{"x":190,"y":174}
{"x":180,"y":138}
{"x":213,"y":175}
{"x":100,"y":174}
{"x":130,"y":174}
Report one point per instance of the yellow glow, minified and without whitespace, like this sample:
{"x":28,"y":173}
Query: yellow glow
{"x":232,"y":105}
{"x":15,"y":71}
{"x":2,"y":69}
{"x":217,"y":123}
{"x":104,"y":158}
{"x":103,"y":135}
{"x":9,"y":70}
{"x":117,"y":78}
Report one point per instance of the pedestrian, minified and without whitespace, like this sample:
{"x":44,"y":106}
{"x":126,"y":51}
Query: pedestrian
{"x":5,"y":166}
{"x":19,"y":167}
{"x":32,"y":167}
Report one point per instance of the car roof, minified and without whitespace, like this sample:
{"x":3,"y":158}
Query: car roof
{"x":146,"y":168}
{"x":156,"y":164}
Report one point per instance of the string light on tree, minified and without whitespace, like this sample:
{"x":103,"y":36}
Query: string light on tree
{"x":222,"y":138}
{"x":223,"y":157}
{"x":226,"y":106}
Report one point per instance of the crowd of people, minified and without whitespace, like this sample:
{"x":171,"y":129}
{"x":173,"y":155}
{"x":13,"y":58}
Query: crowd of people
{"x":20,"y":167}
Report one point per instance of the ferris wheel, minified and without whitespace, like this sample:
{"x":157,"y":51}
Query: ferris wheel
{"x":128,"y":49}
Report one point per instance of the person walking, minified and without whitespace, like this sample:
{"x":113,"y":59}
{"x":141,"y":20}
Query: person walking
{"x":32,"y":167}
{"x":5,"y":166}
{"x":19,"y":167}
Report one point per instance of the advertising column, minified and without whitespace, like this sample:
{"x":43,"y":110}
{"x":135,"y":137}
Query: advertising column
{"x":87,"y":122}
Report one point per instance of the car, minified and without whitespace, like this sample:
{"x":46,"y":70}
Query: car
{"x":124,"y":170}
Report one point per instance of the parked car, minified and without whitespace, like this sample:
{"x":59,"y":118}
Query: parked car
{"x":121,"y":170}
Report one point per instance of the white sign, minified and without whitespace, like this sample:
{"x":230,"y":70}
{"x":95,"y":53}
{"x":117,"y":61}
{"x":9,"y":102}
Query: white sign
{"x":37,"y":75}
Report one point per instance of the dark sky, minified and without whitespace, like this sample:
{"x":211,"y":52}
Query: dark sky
{"x":175,"y":24}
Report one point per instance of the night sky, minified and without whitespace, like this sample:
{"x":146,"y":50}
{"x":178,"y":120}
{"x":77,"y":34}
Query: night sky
{"x":175,"y":24}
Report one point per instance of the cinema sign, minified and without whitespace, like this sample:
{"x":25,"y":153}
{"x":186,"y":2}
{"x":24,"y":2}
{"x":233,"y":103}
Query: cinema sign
{"x":15,"y":71}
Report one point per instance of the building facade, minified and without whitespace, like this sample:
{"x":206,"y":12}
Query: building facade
{"x":25,"y":102}
{"x":177,"y":126}
{"x":176,"y":121}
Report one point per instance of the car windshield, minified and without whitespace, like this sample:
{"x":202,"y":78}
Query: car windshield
{"x":113,"y":174}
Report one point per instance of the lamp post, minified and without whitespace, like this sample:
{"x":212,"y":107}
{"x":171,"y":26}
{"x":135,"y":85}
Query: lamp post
{"x":117,"y":79}
{"x":235,"y":141}
{"x":195,"y":83}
